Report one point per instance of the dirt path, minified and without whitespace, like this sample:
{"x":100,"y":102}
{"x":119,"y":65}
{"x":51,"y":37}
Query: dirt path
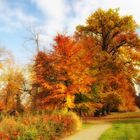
{"x":92,"y":133}
{"x":100,"y":125}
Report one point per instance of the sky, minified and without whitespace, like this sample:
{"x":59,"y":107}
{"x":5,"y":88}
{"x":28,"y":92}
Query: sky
{"x":49,"y":17}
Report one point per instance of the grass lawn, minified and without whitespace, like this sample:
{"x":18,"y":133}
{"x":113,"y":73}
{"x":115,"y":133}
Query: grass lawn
{"x":123,"y":130}
{"x":86,"y":125}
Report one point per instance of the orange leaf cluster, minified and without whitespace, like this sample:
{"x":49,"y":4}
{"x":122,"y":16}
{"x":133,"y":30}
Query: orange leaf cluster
{"x":66,"y":70}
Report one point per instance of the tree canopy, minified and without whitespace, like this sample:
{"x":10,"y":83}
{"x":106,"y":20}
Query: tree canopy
{"x":92,"y":70}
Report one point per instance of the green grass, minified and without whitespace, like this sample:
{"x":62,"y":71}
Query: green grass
{"x":86,"y":125}
{"x":123,"y":130}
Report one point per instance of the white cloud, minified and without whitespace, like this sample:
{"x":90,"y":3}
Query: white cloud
{"x":59,"y":15}
{"x":56,"y":11}
{"x":65,"y":15}
{"x":62,"y":16}
{"x":13,"y":18}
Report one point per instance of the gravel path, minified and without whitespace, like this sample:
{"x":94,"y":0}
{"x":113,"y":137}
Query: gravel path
{"x":92,"y":133}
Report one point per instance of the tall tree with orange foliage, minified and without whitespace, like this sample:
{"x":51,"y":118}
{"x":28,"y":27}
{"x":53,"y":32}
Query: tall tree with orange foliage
{"x":111,"y":30}
{"x":119,"y":43}
{"x":65,"y":71}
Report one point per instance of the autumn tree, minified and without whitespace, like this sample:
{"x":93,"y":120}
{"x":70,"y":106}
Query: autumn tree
{"x":65,"y":71}
{"x":12,"y":81}
{"x":110,"y":29}
{"x":118,"y":55}
{"x":104,"y":52}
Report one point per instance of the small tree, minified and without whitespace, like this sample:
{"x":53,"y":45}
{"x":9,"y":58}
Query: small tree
{"x":12,"y":80}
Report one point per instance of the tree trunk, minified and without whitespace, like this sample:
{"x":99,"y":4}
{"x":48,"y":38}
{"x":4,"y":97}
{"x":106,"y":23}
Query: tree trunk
{"x":34,"y":98}
{"x":18,"y":103}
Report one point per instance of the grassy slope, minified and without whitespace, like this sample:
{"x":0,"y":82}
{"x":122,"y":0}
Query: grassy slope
{"x":123,"y":130}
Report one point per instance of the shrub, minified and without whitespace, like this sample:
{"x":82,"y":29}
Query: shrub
{"x":29,"y":134}
{"x":71,"y":123}
{"x":39,"y":127}
{"x":64,"y":123}
{"x":9,"y":127}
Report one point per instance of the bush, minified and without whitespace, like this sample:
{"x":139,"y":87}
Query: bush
{"x":63,"y":123}
{"x":40,"y":127}
{"x":28,"y":134}
{"x":71,"y":123}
